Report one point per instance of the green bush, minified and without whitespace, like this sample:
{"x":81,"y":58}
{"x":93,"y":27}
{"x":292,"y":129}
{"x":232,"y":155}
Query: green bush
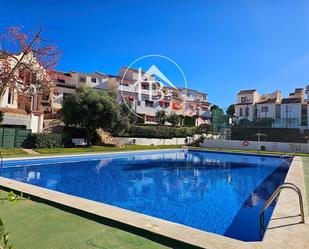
{"x":189,"y":121}
{"x":160,"y":131}
{"x":203,"y":128}
{"x":47,"y":140}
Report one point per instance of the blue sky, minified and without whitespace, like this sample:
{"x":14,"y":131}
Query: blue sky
{"x":222,"y":46}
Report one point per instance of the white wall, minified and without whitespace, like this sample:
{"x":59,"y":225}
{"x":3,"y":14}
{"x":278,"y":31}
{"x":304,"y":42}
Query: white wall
{"x":58,"y":98}
{"x":254,"y":145}
{"x":4,"y":102}
{"x":291,"y":111}
{"x":251,"y":112}
{"x":250,"y":98}
{"x":36,"y":123}
{"x":271,"y":111}
{"x":153,"y":141}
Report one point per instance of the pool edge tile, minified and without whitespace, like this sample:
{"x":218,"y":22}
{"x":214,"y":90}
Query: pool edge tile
{"x":157,"y":226}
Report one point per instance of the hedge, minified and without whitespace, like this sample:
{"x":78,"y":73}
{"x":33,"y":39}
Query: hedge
{"x":273,"y":134}
{"x":160,"y":131}
{"x":46,"y":140}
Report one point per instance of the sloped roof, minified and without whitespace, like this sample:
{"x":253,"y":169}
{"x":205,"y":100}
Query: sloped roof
{"x":291,"y":100}
{"x":268,"y":101}
{"x":247,"y":91}
{"x":132,"y":69}
{"x":249,"y":103}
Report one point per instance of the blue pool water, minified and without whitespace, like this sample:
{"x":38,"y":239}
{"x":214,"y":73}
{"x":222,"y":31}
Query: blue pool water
{"x":215,"y":192}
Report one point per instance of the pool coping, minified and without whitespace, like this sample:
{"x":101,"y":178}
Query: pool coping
{"x":43,"y":156}
{"x":170,"y":233}
{"x":50,"y":156}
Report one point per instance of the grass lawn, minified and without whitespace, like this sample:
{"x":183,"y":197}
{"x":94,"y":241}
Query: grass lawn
{"x":34,"y":225}
{"x":12,"y":152}
{"x":251,"y":151}
{"x":103,"y":149}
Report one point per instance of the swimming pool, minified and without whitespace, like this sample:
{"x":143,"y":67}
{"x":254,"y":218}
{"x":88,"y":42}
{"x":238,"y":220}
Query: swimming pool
{"x":220,"y":193}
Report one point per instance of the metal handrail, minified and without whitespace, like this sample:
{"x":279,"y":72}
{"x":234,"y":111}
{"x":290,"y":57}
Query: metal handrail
{"x":1,"y":165}
{"x":272,"y":198}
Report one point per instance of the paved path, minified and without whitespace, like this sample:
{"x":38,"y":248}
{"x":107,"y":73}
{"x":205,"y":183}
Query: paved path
{"x":31,"y":152}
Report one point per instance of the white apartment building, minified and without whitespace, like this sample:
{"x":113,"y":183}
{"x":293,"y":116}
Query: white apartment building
{"x":145,"y":98}
{"x":182,"y":101}
{"x":65,"y":86}
{"x":291,"y":112}
{"x":20,"y":108}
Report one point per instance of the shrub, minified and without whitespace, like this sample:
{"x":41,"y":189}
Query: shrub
{"x":173,"y":118}
{"x":203,"y":128}
{"x":47,"y":140}
{"x":189,"y":121}
{"x":161,"y":117}
{"x":160,"y":131}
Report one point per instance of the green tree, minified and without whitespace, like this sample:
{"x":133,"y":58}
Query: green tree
{"x":91,"y":109}
{"x":230,"y":111}
{"x":215,"y":107}
{"x":173,"y":118}
{"x":245,"y":123}
{"x":161,"y":117}
{"x":203,"y":128}
{"x":219,"y":120}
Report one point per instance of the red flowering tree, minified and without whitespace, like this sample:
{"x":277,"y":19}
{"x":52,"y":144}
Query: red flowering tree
{"x":27,"y":61}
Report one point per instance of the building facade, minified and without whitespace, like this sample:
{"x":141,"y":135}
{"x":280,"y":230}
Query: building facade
{"x":22,"y":108}
{"x":143,"y":93}
{"x":290,"y":112}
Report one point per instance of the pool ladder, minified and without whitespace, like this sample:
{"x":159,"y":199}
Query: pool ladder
{"x":286,"y":185}
{"x":1,"y":163}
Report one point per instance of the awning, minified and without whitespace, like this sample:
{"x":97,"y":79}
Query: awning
{"x":16,"y":121}
{"x":206,"y":114}
{"x":177,"y":106}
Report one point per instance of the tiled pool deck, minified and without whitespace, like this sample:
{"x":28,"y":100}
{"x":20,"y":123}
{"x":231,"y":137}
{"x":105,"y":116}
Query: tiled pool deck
{"x":284,"y":230}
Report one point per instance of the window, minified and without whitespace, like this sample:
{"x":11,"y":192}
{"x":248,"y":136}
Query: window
{"x":244,"y":100}
{"x":164,"y":104}
{"x":151,"y":118}
{"x":205,"y":97}
{"x":241,"y":113}
{"x":247,"y":112}
{"x":148,"y":103}
{"x":93,"y":80}
{"x":304,"y":115}
{"x":264,"y":109}
{"x":278,"y":111}
{"x":145,"y":86}
{"x":82,"y":79}
{"x":188,"y":95}
{"x":10,"y":96}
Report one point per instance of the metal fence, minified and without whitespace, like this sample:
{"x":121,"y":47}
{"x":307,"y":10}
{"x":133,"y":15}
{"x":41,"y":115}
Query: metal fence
{"x":13,"y":137}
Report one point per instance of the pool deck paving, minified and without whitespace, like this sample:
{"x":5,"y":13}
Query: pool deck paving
{"x":284,"y":230}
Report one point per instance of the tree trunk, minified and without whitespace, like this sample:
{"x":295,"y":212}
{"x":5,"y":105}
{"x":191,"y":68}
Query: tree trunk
{"x":89,"y":137}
